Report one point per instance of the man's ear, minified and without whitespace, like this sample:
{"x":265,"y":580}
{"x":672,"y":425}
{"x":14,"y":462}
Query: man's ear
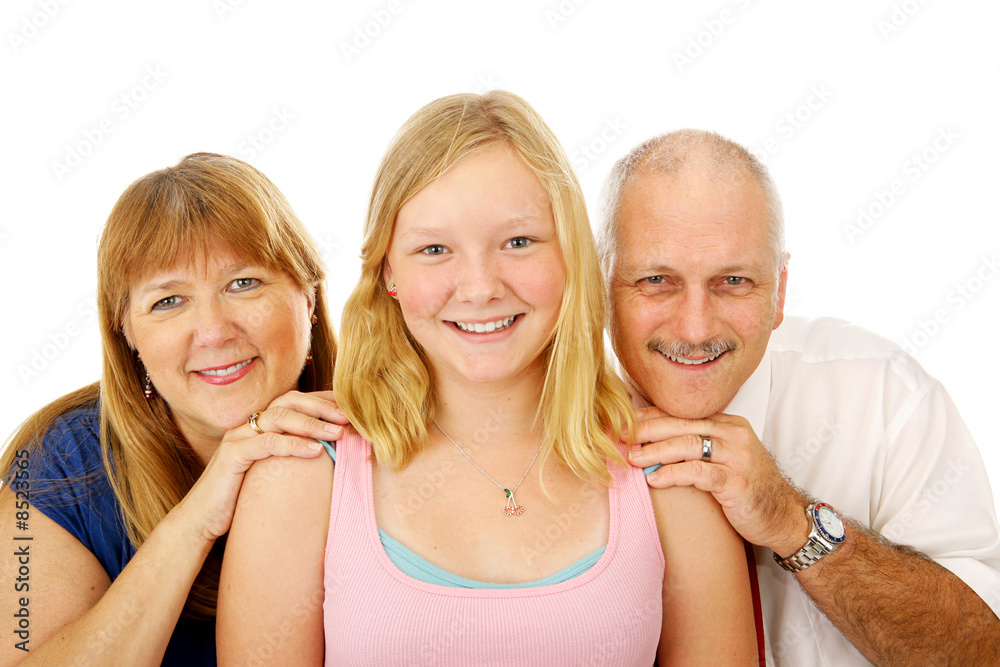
{"x":779,"y":310}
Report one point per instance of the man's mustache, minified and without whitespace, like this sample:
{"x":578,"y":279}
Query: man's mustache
{"x":679,"y":348}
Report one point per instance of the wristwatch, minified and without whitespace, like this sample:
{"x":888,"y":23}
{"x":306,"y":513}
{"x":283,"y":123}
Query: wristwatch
{"x":826,"y":536}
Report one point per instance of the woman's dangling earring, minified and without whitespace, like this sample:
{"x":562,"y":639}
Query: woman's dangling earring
{"x":148,"y":391}
{"x":309,"y":358}
{"x":392,"y":289}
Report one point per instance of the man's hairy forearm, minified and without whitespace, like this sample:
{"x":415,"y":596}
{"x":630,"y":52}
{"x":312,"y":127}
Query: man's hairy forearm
{"x":900,"y":608}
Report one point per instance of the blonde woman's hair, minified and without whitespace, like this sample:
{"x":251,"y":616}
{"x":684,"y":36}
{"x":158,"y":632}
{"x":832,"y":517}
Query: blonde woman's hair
{"x":204,"y":205}
{"x":382,"y":381}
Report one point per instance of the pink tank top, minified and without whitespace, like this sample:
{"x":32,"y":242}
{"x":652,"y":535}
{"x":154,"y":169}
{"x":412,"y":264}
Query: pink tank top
{"x":374,"y":614}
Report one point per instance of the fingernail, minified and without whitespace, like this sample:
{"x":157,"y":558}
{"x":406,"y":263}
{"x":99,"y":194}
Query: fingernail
{"x":634,"y":451}
{"x":314,"y":446}
{"x":333,"y":429}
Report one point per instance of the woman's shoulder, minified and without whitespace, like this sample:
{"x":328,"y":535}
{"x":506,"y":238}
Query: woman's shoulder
{"x":287,"y":480}
{"x":71,"y":446}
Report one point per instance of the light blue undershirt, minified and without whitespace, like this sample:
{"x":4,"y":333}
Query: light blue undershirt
{"x":423,"y":570}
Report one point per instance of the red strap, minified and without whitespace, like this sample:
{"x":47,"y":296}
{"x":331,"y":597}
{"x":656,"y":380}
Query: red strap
{"x":758,"y":616}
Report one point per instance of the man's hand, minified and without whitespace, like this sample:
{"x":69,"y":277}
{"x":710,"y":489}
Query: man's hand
{"x":759,"y":502}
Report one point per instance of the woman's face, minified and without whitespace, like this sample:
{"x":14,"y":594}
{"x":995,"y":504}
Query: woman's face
{"x":220,"y":338}
{"x":478,"y":268}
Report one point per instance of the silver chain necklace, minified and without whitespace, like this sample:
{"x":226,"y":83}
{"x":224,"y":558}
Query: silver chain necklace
{"x":512,"y":508}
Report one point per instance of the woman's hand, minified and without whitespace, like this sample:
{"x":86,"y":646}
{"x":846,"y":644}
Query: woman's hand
{"x":292,"y":424}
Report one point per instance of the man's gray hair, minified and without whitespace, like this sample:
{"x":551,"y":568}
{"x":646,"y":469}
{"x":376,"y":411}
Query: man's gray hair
{"x":667,"y":154}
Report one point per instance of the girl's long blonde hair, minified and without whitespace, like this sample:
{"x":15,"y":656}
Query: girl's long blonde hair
{"x":382,"y":381}
{"x":205,"y":204}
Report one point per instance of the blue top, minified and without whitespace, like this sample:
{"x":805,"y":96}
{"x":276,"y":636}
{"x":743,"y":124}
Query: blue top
{"x":423,"y":570}
{"x":69,"y":486}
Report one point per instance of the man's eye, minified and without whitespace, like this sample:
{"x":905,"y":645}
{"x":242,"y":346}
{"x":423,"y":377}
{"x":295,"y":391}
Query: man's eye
{"x":243,"y":284}
{"x":433,"y":250}
{"x":655,"y":280}
{"x":735,"y":280}
{"x":166,"y":304}
{"x":519,"y":242}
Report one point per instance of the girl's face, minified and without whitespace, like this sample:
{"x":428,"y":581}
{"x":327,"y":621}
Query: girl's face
{"x":478,"y":269}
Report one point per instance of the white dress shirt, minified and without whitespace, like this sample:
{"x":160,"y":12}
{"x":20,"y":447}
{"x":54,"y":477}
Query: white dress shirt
{"x":855,"y":422}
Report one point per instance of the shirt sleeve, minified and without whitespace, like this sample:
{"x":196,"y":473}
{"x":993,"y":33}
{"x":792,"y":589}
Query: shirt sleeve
{"x":936,"y":497}
{"x":68,"y":484}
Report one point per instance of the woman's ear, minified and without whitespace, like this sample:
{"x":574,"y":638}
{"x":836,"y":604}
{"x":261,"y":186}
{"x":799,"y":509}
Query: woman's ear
{"x":311,"y":299}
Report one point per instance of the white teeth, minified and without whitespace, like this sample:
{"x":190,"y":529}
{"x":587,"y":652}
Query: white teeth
{"x":488,"y":327}
{"x":689,"y":362}
{"x":227,"y":371}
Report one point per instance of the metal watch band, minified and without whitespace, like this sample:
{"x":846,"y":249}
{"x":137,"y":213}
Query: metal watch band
{"x":821,"y":541}
{"x":804,"y":557}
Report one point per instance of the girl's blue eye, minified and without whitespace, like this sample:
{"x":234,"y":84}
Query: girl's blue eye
{"x":519,"y":242}
{"x":434,"y":250}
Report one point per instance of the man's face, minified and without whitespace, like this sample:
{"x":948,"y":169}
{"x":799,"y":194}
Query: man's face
{"x":695,"y":291}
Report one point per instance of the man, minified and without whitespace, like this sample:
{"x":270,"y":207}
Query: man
{"x":692,"y":244}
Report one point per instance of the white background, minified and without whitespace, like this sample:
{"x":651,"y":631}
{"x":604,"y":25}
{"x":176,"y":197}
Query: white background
{"x":98,"y":93}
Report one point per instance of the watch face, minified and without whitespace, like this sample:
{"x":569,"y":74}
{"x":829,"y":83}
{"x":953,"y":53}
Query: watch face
{"x":829,"y":522}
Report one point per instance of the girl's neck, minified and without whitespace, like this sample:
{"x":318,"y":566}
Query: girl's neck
{"x":502,"y":410}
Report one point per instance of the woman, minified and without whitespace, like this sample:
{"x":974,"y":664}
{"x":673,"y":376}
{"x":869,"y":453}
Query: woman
{"x":491,"y":519}
{"x":211,"y":306}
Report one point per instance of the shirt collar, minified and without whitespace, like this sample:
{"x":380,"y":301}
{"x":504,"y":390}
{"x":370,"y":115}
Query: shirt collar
{"x":750,"y":402}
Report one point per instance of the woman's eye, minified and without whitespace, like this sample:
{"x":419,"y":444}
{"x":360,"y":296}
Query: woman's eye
{"x":243,"y":284}
{"x":655,"y":280}
{"x":519,"y":242}
{"x":166,"y":304}
{"x":433,"y":250}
